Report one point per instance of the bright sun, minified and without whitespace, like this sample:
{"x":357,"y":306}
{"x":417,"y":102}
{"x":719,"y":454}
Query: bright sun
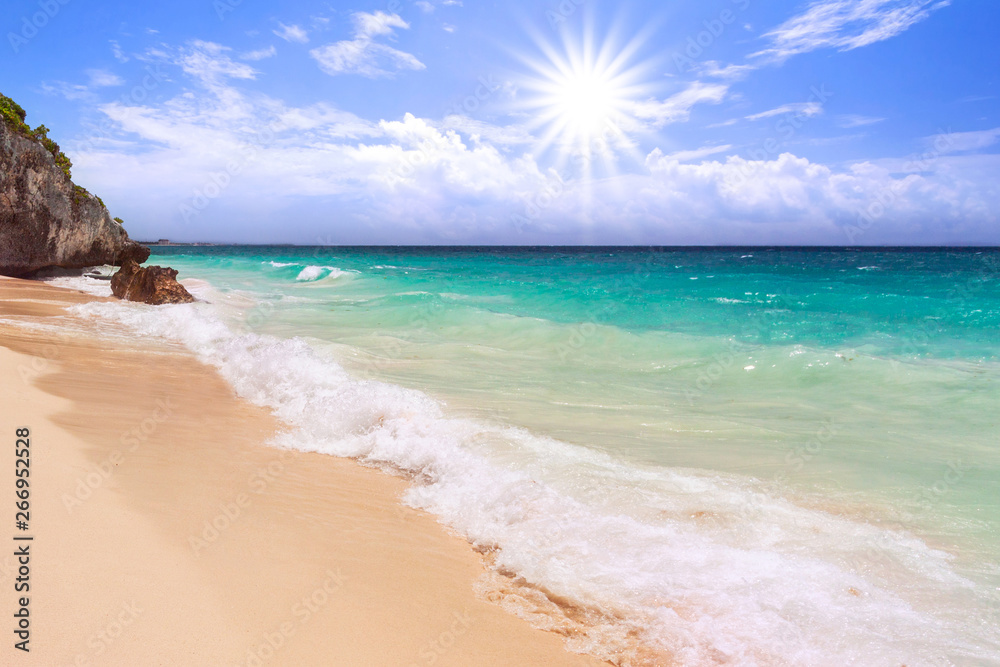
{"x":582,"y":106}
{"x":581,"y":100}
{"x":586,"y":101}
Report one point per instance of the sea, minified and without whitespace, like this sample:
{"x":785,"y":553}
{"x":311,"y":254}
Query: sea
{"x":671,"y":456}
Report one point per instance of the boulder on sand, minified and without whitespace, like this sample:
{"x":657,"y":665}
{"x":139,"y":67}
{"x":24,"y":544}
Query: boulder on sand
{"x":155,"y":285}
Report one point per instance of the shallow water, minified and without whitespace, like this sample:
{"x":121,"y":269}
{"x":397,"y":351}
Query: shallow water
{"x":735,"y":456}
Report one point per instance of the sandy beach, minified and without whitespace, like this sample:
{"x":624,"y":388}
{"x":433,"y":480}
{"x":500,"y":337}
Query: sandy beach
{"x":166,"y":532}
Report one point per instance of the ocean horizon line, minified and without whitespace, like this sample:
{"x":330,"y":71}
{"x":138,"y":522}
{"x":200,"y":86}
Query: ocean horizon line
{"x":569,"y":247}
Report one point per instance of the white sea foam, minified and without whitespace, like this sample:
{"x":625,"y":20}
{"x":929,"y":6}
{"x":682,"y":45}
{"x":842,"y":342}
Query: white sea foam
{"x":709,"y":568}
{"x":316,"y":273}
{"x":91,"y":286}
{"x":312,"y":273}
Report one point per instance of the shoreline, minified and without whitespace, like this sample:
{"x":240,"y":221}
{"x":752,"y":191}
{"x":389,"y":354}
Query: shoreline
{"x":167,"y":532}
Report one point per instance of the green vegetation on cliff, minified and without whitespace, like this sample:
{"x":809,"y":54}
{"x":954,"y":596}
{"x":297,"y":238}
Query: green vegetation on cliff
{"x":14,"y":116}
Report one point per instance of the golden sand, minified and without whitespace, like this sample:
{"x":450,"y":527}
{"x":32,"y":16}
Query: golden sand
{"x":168,"y":533}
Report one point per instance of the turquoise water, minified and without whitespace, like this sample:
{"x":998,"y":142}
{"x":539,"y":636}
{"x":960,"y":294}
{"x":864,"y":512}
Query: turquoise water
{"x":738,"y":456}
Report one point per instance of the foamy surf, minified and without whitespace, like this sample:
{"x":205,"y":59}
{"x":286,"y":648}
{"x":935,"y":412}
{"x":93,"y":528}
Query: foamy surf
{"x":81,"y":283}
{"x":310,"y":272}
{"x":635,"y":565}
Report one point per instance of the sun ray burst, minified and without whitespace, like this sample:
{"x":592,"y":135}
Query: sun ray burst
{"x":580,"y":96}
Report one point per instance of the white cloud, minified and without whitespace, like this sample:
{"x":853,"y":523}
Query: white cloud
{"x":362,"y":55}
{"x":808,"y":109}
{"x":292,"y":33}
{"x":715,"y":69}
{"x":378,"y":24}
{"x":697,"y":154}
{"x":70,"y":91}
{"x":424,"y":6}
{"x":841,"y":24}
{"x":76,"y":92}
{"x":976,"y":98}
{"x":210,"y":63}
{"x":725,"y":123}
{"x":447,"y":27}
{"x":116,"y":51}
{"x":845,"y":25}
{"x":853,"y":120}
{"x":831,"y":141}
{"x":364,"y":58}
{"x":677,"y":108}
{"x":790,"y":199}
{"x":959,"y":142}
{"x":260,"y":54}
{"x":478,"y":131}
{"x":315,"y":150}
{"x":100,"y":78}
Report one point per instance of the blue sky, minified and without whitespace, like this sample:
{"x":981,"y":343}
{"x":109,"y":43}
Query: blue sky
{"x":582,"y":121}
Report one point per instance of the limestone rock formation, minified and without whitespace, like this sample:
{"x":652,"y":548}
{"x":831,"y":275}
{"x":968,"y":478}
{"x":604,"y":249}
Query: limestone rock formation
{"x":45,"y":220}
{"x":155,"y":285}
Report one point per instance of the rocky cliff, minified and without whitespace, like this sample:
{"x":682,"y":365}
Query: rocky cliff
{"x":45,"y":220}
